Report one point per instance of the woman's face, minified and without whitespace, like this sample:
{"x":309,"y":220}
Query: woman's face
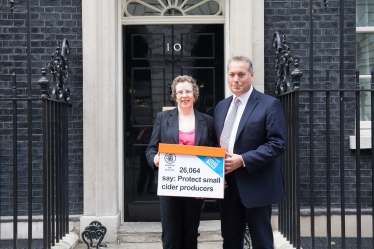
{"x":185,"y":96}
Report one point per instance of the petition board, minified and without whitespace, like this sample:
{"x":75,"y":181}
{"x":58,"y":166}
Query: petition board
{"x":191,"y":171}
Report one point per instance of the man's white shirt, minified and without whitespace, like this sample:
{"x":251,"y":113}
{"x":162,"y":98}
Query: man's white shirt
{"x":243,"y":102}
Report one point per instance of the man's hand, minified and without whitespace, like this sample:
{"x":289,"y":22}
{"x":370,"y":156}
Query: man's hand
{"x":232,"y":162}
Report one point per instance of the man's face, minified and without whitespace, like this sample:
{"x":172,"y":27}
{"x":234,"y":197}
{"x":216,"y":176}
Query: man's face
{"x":239,"y":78}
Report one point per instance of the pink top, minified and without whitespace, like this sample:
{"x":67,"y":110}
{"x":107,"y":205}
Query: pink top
{"x":187,"y":138}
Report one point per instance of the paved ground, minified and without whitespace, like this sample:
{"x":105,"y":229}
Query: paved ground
{"x":203,"y":245}
{"x":147,"y":235}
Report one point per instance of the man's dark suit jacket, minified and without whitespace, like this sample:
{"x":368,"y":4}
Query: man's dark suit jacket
{"x":166,"y":130}
{"x":260,"y":140}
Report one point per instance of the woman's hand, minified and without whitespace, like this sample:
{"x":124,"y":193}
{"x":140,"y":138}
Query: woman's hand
{"x":156,"y":159}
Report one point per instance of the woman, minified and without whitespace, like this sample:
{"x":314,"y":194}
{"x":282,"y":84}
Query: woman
{"x":180,"y":216}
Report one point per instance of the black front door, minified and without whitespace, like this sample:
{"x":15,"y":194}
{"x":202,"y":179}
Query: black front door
{"x":153,"y":56}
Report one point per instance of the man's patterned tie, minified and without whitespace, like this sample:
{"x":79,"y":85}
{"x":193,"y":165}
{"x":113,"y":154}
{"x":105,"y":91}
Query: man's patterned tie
{"x":225,"y":136}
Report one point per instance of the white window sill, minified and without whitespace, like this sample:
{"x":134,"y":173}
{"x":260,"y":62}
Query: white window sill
{"x":365,"y":137}
{"x":365,"y":142}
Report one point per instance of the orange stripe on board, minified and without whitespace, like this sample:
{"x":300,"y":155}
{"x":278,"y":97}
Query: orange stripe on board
{"x":191,"y":150}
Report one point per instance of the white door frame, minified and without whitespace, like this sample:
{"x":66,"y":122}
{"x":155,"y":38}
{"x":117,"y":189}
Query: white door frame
{"x":103,"y":159}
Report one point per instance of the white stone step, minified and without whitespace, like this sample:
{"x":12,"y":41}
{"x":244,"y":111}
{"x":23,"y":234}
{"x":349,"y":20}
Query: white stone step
{"x":150,"y":232}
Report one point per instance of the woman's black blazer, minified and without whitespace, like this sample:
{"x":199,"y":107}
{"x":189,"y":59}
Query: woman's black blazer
{"x":166,"y":130}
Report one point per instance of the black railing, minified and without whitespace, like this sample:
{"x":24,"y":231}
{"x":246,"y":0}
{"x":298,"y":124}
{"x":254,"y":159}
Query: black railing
{"x":289,"y":210}
{"x":34,"y":151}
{"x":328,"y":167}
{"x":34,"y":148}
{"x":55,"y":171}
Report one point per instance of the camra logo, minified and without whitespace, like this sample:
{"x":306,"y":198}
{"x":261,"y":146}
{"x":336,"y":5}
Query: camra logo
{"x":170,"y":158}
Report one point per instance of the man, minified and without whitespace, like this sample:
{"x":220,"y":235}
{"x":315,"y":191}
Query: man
{"x":253,"y":131}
